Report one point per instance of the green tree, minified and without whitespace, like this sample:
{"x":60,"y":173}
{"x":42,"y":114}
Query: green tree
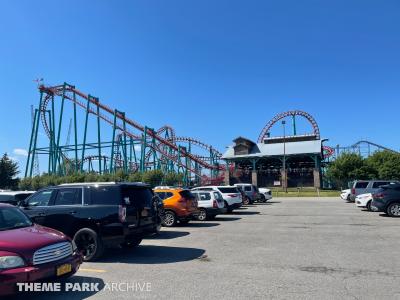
{"x":386,"y":164}
{"x":348,"y":167}
{"x":172,"y":179}
{"x":153,"y":177}
{"x":8,"y":173}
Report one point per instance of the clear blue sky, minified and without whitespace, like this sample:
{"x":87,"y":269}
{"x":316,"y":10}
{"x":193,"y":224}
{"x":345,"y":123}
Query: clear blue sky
{"x":211,"y":69}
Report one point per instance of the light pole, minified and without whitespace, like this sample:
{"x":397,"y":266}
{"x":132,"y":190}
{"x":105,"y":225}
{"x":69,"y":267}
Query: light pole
{"x":284,"y":156}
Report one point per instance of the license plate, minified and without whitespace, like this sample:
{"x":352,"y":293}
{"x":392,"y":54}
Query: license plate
{"x":64,"y":269}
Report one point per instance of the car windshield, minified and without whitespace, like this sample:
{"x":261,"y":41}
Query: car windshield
{"x":12,"y":217}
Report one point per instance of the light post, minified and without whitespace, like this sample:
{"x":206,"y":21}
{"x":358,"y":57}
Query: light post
{"x":284,"y":156}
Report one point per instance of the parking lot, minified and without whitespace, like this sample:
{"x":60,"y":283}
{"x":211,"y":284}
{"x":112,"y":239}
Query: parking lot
{"x":289,"y":248}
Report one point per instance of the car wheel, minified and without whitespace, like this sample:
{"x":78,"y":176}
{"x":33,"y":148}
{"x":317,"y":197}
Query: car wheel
{"x":202,"y":216}
{"x":246,"y":201}
{"x":369,"y":205}
{"x":393,"y":210}
{"x":169,"y":219}
{"x":263,"y":199}
{"x":89,"y":244}
{"x":132,"y":243}
{"x":348,"y":198}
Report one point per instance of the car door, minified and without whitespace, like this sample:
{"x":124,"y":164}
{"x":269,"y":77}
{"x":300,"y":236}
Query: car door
{"x":36,"y":205}
{"x":63,"y":212}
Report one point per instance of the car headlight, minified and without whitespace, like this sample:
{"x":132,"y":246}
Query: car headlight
{"x":9,"y":262}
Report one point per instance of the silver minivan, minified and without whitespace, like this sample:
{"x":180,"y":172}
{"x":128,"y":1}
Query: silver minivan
{"x":367,"y":186}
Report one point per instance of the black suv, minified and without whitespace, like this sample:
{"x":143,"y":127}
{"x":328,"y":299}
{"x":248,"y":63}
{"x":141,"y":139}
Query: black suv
{"x":97,"y":215}
{"x":387,"y":199}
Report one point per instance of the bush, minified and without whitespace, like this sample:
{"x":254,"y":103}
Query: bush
{"x":153,"y":177}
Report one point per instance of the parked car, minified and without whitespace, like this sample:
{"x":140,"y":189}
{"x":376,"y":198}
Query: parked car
{"x":210,"y":204}
{"x":30,"y":252}
{"x":97,"y":215}
{"x":345,"y":194}
{"x":14,"y":197}
{"x":367,"y":186}
{"x":231,"y":195}
{"x":251,"y":192}
{"x":387,"y":200}
{"x":180,"y":205}
{"x":266,"y":194}
{"x":364,"y":201}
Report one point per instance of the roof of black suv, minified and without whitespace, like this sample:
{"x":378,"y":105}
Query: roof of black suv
{"x":137,"y":184}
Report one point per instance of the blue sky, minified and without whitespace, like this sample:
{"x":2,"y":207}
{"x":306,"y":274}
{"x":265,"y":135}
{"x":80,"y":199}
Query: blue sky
{"x":211,"y":69}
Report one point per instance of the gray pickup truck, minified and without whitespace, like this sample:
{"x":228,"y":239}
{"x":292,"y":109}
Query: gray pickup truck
{"x":367,"y":186}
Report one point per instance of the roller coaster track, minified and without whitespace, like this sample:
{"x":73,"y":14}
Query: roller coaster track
{"x":285,"y":114}
{"x":355,"y":145}
{"x":107,"y":114}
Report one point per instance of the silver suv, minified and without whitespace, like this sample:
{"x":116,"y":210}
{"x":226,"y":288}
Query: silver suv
{"x":367,"y":186}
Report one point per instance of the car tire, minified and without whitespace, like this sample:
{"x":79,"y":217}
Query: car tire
{"x":89,"y":243}
{"x":169,"y":219}
{"x":369,"y":205}
{"x":132,"y":243}
{"x":246,"y":201}
{"x":393,"y":209}
{"x":262,"y":198}
{"x":202,"y":216}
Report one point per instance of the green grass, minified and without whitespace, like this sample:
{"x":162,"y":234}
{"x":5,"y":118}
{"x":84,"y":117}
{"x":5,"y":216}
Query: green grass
{"x":303,"y":192}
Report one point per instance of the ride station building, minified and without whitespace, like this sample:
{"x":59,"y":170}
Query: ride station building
{"x":286,"y":161}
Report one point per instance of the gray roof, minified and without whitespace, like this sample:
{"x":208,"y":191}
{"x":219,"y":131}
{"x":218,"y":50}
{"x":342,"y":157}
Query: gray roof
{"x":292,"y":148}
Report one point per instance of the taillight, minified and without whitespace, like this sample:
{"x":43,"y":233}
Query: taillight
{"x":122,"y":213}
{"x":215,"y":205}
{"x":379,"y":196}
{"x":353,"y":191}
{"x":232,"y":195}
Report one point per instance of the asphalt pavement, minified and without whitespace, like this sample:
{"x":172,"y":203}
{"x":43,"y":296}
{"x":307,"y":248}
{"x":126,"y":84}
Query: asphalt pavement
{"x":288,"y":248}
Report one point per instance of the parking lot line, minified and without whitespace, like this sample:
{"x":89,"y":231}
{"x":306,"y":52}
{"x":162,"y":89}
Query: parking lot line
{"x":92,"y":270}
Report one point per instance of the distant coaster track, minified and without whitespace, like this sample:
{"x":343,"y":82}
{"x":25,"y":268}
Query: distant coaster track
{"x":291,"y":113}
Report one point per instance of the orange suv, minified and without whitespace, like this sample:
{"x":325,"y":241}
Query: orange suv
{"x":179,"y":205}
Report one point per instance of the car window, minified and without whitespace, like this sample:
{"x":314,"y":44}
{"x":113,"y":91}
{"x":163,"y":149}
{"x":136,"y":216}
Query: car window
{"x":161,"y":195}
{"x":142,"y":197}
{"x":68,"y":197}
{"x":186,"y":194}
{"x":204,"y":196}
{"x":361,"y":185}
{"x":41,"y":198}
{"x":6,"y":198}
{"x":379,"y":184}
{"x":21,"y":197}
{"x":217,"y":196}
{"x":105,"y":195}
{"x":226,"y":190}
{"x":205,"y":189}
{"x":247,"y":188}
{"x":168,"y":195}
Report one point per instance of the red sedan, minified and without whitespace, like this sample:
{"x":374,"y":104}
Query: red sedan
{"x":29,"y":252}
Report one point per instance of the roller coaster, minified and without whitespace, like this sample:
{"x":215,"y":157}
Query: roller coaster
{"x":125,"y":145}
{"x":363,"y":147}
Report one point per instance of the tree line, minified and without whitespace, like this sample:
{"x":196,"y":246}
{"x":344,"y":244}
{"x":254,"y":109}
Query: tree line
{"x":348,"y":167}
{"x":9,"y":180}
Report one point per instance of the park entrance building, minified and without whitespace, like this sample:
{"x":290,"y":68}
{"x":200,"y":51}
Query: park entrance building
{"x":287,"y":160}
